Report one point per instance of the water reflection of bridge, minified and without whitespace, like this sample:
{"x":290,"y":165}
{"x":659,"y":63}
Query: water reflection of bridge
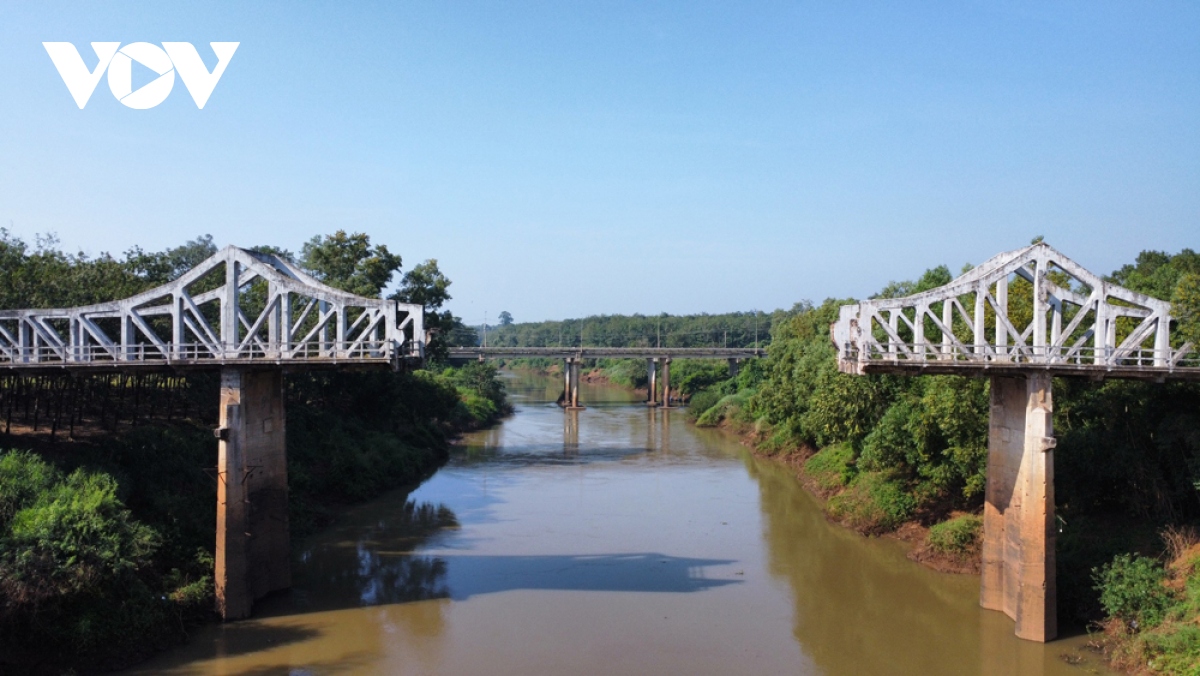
{"x":658,"y":359}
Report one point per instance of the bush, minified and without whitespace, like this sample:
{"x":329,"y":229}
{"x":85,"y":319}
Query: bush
{"x":873,"y":503}
{"x":832,"y":467}
{"x":959,"y":535}
{"x":75,"y":573}
{"x":1131,"y":590}
{"x":726,"y":407}
{"x":701,"y":402}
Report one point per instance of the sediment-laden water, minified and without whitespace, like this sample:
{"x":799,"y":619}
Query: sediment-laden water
{"x":615,"y":540}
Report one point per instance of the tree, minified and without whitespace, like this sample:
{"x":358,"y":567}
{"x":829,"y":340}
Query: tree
{"x":425,"y":285}
{"x":505,"y":318}
{"x":162,"y":267}
{"x":350,"y":263}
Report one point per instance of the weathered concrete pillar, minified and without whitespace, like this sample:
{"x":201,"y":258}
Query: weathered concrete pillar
{"x":652,"y":382}
{"x":1018,"y":561}
{"x":253,"y":552}
{"x":573,"y":389}
{"x":666,"y":378}
{"x":567,"y":382}
{"x":735,"y":365}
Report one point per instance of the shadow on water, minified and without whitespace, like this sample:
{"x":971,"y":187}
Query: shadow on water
{"x":340,"y":665}
{"x":379,"y":566}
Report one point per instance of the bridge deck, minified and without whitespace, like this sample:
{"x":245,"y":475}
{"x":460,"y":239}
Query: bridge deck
{"x":608,"y":352}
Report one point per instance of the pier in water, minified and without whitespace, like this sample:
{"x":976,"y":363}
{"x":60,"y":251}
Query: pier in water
{"x":614,"y":540}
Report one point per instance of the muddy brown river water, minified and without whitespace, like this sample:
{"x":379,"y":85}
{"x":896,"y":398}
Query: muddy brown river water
{"x":615,"y":540}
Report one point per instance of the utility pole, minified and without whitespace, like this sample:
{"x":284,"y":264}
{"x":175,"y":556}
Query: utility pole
{"x":485,"y":329}
{"x":658,"y":341}
{"x":756,"y":329}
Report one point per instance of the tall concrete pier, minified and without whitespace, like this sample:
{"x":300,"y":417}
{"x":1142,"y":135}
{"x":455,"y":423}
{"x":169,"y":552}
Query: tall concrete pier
{"x":253,"y":552}
{"x":1018,"y":519}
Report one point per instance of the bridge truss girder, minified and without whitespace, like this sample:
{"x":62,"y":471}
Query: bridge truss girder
{"x":1069,"y":321}
{"x":236,"y":307}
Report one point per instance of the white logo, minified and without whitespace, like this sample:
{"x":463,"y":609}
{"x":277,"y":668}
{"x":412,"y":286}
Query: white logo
{"x":171,"y":58}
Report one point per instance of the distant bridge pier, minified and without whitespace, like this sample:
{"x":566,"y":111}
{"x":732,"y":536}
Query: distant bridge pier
{"x":652,"y":381}
{"x":571,"y":383}
{"x":1018,"y":574}
{"x":735,"y":365}
{"x":666,"y":378}
{"x":253,"y":551}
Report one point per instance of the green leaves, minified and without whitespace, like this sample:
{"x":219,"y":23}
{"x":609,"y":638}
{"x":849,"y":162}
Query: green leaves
{"x":350,"y":263}
{"x":1131,"y":590}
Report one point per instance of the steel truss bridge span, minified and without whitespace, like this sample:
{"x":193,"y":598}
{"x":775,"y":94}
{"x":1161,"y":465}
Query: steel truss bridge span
{"x":237,"y":308}
{"x":1066,"y":321}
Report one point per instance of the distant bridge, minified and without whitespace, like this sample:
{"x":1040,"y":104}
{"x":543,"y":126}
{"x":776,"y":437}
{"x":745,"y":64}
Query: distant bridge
{"x":1065,"y":321}
{"x":654,"y":356}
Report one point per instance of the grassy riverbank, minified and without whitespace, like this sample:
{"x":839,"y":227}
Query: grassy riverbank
{"x":907,"y":457}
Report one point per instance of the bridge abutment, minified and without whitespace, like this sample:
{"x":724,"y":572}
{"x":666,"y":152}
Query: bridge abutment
{"x":253,"y":550}
{"x":1018,"y":562}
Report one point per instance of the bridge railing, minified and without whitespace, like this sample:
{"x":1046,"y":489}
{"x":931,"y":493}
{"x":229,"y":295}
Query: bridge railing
{"x":918,"y":354}
{"x":202,"y":353}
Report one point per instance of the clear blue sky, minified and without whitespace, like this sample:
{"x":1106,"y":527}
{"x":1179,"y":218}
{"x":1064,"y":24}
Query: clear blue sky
{"x":562,"y":159}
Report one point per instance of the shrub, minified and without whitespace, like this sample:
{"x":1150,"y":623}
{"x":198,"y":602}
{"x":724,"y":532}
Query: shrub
{"x":873,"y":503}
{"x":726,"y":407}
{"x":1131,"y":590}
{"x":832,"y":467}
{"x":959,"y":535}
{"x":701,"y":402}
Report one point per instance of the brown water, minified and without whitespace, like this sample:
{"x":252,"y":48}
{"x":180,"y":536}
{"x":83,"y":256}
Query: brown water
{"x":616,"y":540}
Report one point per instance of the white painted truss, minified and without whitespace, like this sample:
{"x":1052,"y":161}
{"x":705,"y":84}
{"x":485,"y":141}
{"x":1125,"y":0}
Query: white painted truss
{"x":1032,"y":308}
{"x":237,"y":307}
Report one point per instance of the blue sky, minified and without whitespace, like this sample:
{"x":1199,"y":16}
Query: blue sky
{"x":562,"y":159}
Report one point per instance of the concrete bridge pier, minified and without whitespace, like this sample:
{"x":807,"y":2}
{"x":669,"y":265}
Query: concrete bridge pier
{"x":666,"y":378}
{"x":735,"y":365}
{"x":571,"y":401}
{"x":253,"y":552}
{"x":652,"y":381}
{"x":1018,"y":575}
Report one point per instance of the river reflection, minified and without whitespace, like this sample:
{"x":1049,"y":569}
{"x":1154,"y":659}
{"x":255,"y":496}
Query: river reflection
{"x":614,"y":540}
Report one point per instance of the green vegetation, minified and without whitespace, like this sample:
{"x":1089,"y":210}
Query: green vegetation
{"x":106,"y":538}
{"x":732,"y":329}
{"x":959,"y":535}
{"x":1153,"y":608}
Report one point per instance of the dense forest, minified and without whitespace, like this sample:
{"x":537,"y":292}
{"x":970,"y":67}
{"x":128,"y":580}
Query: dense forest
{"x":107,"y":511}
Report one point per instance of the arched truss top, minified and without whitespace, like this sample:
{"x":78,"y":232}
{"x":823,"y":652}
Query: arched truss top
{"x":237,"y":307}
{"x":1032,"y":308}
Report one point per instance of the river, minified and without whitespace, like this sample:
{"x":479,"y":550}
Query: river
{"x":615,"y":540}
